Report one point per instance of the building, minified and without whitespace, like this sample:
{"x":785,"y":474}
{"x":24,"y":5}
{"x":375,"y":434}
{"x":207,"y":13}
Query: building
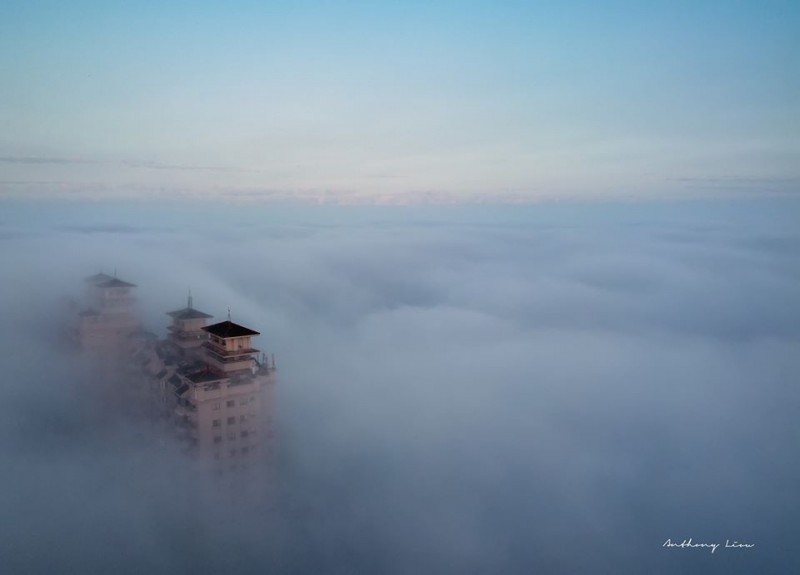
{"x":223,"y":403}
{"x":109,"y":318}
{"x":212,"y":386}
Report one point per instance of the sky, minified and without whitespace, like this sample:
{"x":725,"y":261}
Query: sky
{"x":399,"y":102}
{"x":554,"y":388}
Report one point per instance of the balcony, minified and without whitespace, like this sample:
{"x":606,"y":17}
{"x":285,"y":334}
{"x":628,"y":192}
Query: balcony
{"x":225,"y":355}
{"x":187,"y":335}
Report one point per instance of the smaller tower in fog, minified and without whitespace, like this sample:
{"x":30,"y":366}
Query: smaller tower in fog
{"x":187,"y":331}
{"x":110,"y":318}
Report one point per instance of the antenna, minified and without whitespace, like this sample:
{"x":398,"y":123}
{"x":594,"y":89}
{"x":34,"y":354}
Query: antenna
{"x":190,"y":298}
{"x":229,"y":313}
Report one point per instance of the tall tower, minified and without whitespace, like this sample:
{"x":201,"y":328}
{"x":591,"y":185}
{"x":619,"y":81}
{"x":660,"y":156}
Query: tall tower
{"x":224,"y":407}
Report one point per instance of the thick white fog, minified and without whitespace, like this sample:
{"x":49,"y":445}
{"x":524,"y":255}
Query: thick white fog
{"x":551,"y":389}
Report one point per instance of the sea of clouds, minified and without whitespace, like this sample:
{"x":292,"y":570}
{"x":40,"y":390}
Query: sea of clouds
{"x":551,"y":389}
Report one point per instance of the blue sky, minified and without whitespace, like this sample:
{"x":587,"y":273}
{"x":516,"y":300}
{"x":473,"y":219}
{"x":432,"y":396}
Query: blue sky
{"x":400,"y":101}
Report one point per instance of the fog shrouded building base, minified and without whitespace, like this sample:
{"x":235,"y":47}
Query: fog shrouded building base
{"x":208,"y":381}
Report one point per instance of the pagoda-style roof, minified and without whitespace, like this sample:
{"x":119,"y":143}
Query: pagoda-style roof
{"x":188,"y":313}
{"x":107,"y":281}
{"x":114,"y":283}
{"x":226,"y":329}
{"x":99,"y":278}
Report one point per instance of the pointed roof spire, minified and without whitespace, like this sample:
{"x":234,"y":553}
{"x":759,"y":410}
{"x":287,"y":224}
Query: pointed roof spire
{"x":188,"y":312}
{"x":229,"y":313}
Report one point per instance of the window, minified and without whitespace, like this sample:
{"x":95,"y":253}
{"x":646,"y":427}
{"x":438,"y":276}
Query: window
{"x":230,"y":403}
{"x":217,"y":439}
{"x":231,"y":435}
{"x":231,"y":420}
{"x":217,"y":405}
{"x":245,"y":449}
{"x":215,"y":423}
{"x":252,"y":398}
{"x":242,"y":418}
{"x":243,"y":401}
{"x":244,"y":433}
{"x":233,"y":452}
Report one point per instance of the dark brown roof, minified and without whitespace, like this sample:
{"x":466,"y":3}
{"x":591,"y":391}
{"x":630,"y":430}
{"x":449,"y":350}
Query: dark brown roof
{"x":225,"y":329}
{"x":188,"y":313}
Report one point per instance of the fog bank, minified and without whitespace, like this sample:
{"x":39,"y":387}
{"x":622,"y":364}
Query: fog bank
{"x":553,"y":389}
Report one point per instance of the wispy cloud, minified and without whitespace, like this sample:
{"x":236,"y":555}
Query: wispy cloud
{"x":134,"y":164}
{"x":44,"y":160}
{"x":184,"y":167}
{"x":736,"y":182}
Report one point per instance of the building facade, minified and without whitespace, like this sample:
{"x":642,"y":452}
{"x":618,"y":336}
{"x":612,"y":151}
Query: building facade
{"x":223,"y":403}
{"x":208,"y":382}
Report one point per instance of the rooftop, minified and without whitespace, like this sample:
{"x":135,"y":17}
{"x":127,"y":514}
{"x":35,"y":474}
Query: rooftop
{"x":188,"y":313}
{"x":113,"y":283}
{"x":177,"y":385}
{"x":205,"y":376}
{"x":105,"y":280}
{"x":226,"y":329}
{"x":99,"y":278}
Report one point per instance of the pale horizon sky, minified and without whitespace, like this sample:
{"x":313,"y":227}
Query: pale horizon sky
{"x":401,"y":100}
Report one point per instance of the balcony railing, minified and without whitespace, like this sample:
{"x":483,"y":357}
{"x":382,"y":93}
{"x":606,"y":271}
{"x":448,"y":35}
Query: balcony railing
{"x":224,"y":353}
{"x":248,"y":359}
{"x":190,"y":335}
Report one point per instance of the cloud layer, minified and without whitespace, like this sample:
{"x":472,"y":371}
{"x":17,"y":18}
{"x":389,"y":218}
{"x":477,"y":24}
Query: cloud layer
{"x":458,"y":393}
